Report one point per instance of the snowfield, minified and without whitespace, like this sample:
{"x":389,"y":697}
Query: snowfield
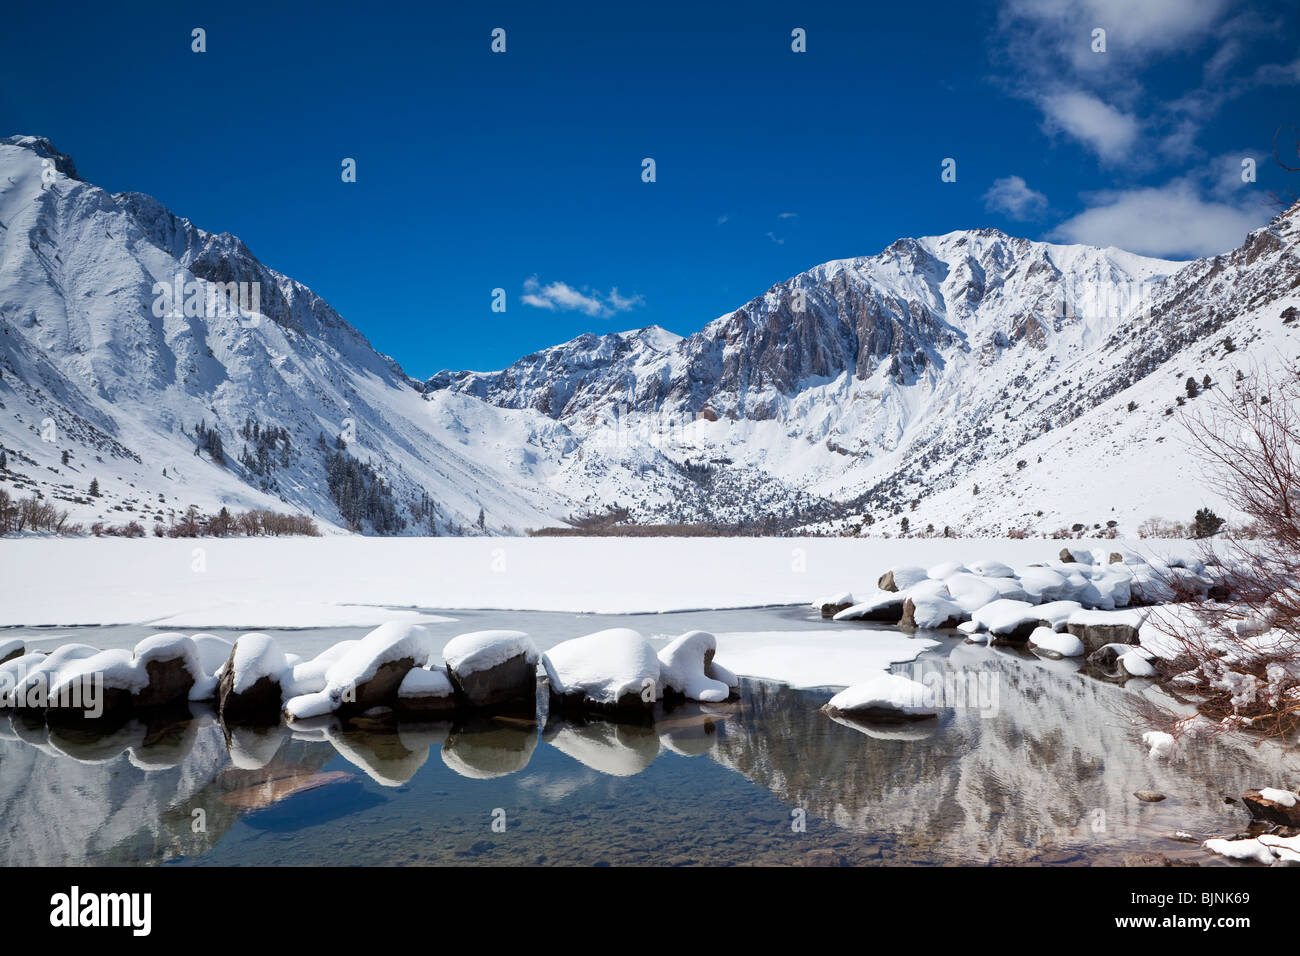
{"x":363,"y":581}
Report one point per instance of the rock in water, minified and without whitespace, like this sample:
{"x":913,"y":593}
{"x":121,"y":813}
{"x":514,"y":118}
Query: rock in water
{"x":493,"y":668}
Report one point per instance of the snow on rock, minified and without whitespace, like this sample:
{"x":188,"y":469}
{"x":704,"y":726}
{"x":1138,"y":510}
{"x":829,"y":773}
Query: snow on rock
{"x":249,"y":686}
{"x":946,"y":570}
{"x":213,"y":652}
{"x":34,"y":677}
{"x":614,"y":668}
{"x":97,"y":685}
{"x":932,"y":612}
{"x":12,"y":648}
{"x":368,"y":673}
{"x":426,"y":692}
{"x":900,"y":579}
{"x":1041,"y":584}
{"x":830,"y":606}
{"x":884,"y":607}
{"x":1137,"y":664}
{"x":1075,"y":556}
{"x":1099,"y":628}
{"x":1266,"y":849}
{"x":1055,"y":642}
{"x":684,"y":666}
{"x":970,"y":591}
{"x":884,"y":697}
{"x":1008,"y":619}
{"x":1285,"y":797}
{"x":493,"y":668}
{"x":173,"y":671}
{"x":308,"y":677}
{"x":1160,"y":743}
{"x":1055,"y":614}
{"x":989,"y":568}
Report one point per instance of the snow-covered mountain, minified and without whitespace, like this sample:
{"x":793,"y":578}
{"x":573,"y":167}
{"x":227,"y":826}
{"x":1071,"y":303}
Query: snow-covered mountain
{"x":972,"y":380}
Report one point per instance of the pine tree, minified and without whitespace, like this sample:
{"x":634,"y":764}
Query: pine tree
{"x":94,"y":487}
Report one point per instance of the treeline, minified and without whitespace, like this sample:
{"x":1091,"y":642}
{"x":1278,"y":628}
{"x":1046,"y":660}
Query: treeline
{"x":360,"y":494}
{"x":33,"y":514}
{"x":264,"y":447}
{"x":36,"y":516}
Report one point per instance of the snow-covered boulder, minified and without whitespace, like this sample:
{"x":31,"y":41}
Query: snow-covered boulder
{"x":833,"y":604}
{"x":1136,"y":663}
{"x":686,"y":667}
{"x":1056,"y":614}
{"x":1099,"y":628}
{"x":368,"y":674}
{"x":1053,"y":643}
{"x":1041,"y":584}
{"x":932,"y":612}
{"x":1160,"y":744}
{"x":883,"y":697}
{"x":1273,"y":804}
{"x":171,"y":667}
{"x":614,"y":670}
{"x":989,"y":568}
{"x":900,"y":579}
{"x":1008,"y":620}
{"x":426,"y":693}
{"x":12,"y":649}
{"x":32,"y":675}
{"x":970,"y":591}
{"x":1075,"y":556}
{"x":885,"y":607}
{"x":945,"y":570}
{"x":98,"y":686}
{"x":249,"y":685}
{"x":493,"y":668}
{"x":308,"y":677}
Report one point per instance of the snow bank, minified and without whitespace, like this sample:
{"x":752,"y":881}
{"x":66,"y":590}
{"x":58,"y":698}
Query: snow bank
{"x":1005,"y":617}
{"x":825,"y":658}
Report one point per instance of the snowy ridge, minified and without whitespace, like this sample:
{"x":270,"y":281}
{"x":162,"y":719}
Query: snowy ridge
{"x":972,"y":380}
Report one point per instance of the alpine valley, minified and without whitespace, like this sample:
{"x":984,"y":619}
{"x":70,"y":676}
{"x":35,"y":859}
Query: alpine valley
{"x":972,"y":381}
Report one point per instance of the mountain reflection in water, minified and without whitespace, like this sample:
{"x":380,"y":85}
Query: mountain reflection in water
{"x":1045,"y":775}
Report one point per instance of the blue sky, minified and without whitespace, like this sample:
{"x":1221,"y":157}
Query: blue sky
{"x":523,"y":170}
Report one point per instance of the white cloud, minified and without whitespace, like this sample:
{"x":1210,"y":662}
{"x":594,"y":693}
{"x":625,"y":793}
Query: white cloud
{"x":1109,"y":132}
{"x":772,"y":236}
{"x":1011,"y":195}
{"x":1171,"y":221}
{"x":562,"y":297}
{"x":788,"y":215}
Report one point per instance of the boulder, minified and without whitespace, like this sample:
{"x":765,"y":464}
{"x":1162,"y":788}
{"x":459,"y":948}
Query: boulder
{"x":1273,"y":805}
{"x":614,"y":672}
{"x":1099,"y":628}
{"x":932,"y":612}
{"x":249,"y":685}
{"x":493,"y":668}
{"x":426,"y":693}
{"x":884,"y":607}
{"x":887,"y":697}
{"x":686,"y":668}
{"x":171,"y":668}
{"x":900,"y":579}
{"x":832,"y":605}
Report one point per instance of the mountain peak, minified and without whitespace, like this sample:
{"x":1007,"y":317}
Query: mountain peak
{"x":46,"y":150}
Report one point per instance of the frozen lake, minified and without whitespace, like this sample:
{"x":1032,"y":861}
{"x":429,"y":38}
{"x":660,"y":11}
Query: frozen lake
{"x":1042,"y":771}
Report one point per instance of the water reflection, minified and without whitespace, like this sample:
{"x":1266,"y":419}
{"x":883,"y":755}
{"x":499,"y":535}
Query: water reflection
{"x":1047,"y":775}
